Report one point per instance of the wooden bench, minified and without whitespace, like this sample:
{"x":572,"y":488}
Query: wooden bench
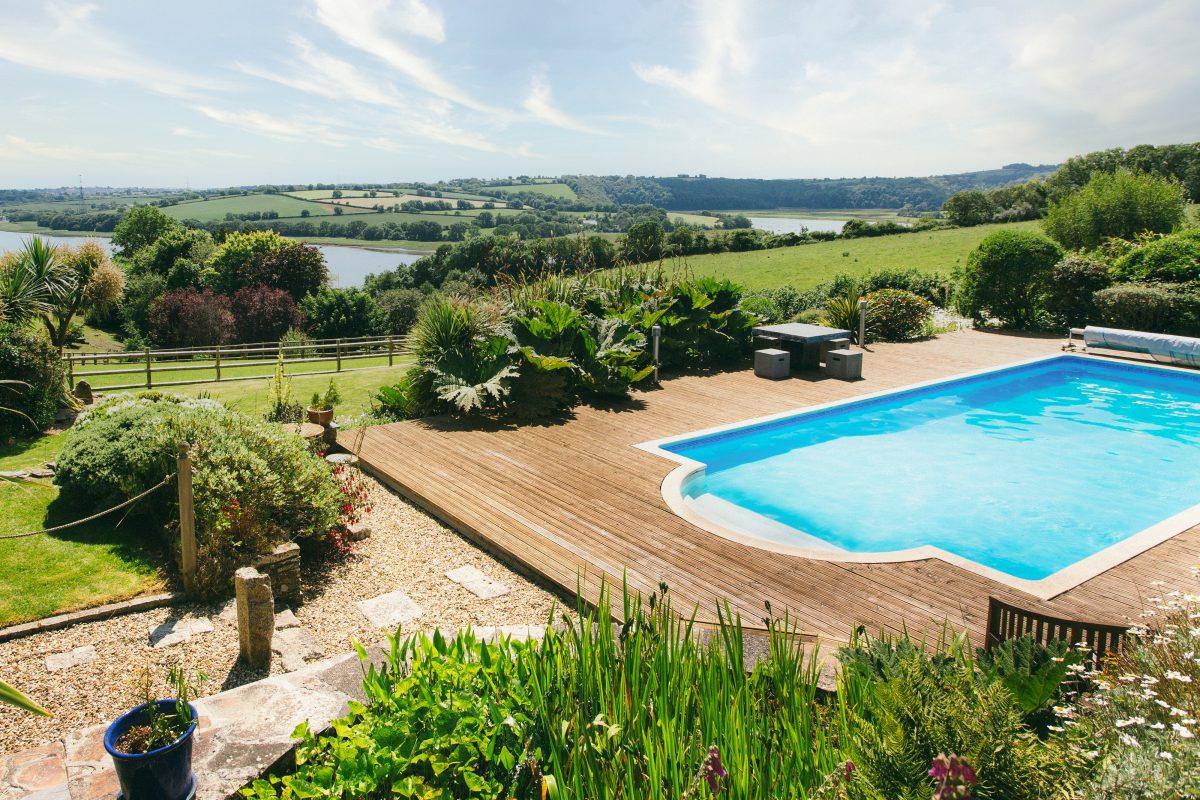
{"x":1006,"y":622}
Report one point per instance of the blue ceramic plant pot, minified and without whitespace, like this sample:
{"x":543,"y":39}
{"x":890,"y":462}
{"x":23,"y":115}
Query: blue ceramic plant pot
{"x":161,"y":774}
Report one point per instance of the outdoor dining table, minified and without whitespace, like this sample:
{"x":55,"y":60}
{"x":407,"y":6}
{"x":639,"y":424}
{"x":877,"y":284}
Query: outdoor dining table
{"x":803,"y":341}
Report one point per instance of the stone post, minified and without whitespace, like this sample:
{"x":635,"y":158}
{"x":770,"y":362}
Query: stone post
{"x":255,"y":616}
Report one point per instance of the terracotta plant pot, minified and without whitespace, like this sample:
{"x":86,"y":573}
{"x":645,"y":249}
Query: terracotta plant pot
{"x":320,"y":416}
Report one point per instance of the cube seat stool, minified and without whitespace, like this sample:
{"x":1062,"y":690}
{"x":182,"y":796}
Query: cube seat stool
{"x":833,"y":344}
{"x":772,"y":363}
{"x":844,"y":364}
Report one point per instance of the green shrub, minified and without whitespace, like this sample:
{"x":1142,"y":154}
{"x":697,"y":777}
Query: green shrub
{"x":896,"y":315}
{"x":342,"y":313}
{"x":399,"y":307}
{"x":842,"y":311}
{"x":765,"y":307}
{"x":29,"y":357}
{"x":902,"y":706}
{"x":1121,"y":204}
{"x":1035,"y":674}
{"x":255,"y":484}
{"x":932,"y":286}
{"x":1167,"y":258}
{"x":1005,"y":277}
{"x":1071,"y":288}
{"x":1136,"y":306}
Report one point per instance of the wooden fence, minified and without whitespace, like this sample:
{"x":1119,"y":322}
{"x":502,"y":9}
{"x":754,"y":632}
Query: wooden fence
{"x":1010,"y":622}
{"x":220,"y":360}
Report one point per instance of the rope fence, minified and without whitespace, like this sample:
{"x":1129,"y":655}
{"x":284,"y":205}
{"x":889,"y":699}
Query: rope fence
{"x":95,"y":516}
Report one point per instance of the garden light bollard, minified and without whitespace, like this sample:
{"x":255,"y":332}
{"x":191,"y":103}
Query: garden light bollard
{"x":187,"y":519}
{"x":655,"y":336}
{"x":255,"y":616}
{"x":862,"y":323}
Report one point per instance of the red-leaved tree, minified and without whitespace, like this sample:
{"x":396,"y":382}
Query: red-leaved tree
{"x":263,"y":314}
{"x":191,"y":318}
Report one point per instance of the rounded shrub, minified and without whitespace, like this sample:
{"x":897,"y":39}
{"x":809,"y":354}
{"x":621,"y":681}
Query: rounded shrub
{"x":1136,"y":306}
{"x":255,"y":483}
{"x":895,"y":315}
{"x":1071,"y":288}
{"x":1006,"y":275}
{"x":763,"y":306}
{"x":1168,"y":258}
{"x":29,"y":359}
{"x":1121,"y":204}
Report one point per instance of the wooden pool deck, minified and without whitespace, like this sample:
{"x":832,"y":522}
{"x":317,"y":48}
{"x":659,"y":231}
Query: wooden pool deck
{"x":573,"y":501}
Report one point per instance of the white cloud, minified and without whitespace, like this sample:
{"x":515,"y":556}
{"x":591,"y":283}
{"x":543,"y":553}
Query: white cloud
{"x":422,"y":20}
{"x":63,"y":38}
{"x":363,"y":24}
{"x":20,"y":150}
{"x":540,"y":103}
{"x":721,"y":52}
{"x":338,"y":79}
{"x":288,"y":130}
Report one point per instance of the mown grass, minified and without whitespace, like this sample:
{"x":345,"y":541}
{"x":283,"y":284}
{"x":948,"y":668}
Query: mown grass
{"x":807,"y":265}
{"x":97,"y":563}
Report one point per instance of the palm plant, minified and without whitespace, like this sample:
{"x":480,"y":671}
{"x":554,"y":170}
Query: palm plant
{"x":29,"y":280}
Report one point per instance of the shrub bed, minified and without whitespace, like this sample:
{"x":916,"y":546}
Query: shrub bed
{"x":255,"y":484}
{"x":1136,"y":306}
{"x":648,"y":709}
{"x":897,"y":316}
{"x":29,"y":358}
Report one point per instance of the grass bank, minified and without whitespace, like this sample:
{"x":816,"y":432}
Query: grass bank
{"x":807,"y":265}
{"x":97,"y":563}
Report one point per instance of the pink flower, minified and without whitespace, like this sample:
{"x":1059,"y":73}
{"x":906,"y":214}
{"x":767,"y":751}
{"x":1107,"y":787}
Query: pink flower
{"x":954,"y":776}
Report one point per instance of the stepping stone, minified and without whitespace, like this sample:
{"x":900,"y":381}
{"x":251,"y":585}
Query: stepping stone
{"x":295,"y":647}
{"x":390,"y":610}
{"x":477,"y":583}
{"x":286,"y":619}
{"x":13,"y":474}
{"x":72,"y":658}
{"x":41,"y":472}
{"x":342,"y":458}
{"x":169,"y":634}
{"x":359,"y":531}
{"x":228,"y":612}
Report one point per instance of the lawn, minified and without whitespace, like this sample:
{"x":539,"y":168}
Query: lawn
{"x":700,"y":220}
{"x":214,"y":210}
{"x":807,"y":265}
{"x":84,"y":566}
{"x":251,"y":396}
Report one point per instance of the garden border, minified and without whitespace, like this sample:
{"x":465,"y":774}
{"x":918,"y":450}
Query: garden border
{"x":93,"y":614}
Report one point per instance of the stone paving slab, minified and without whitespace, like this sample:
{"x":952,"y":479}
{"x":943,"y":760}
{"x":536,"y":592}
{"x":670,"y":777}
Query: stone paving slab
{"x":72,"y":658}
{"x":178,"y":631}
{"x":390,"y":610}
{"x":37,"y":774}
{"x":295,"y":647}
{"x":286,"y":619}
{"x":477,"y":583}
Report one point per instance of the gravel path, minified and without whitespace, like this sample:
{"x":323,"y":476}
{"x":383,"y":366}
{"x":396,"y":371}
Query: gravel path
{"x":408,"y":551}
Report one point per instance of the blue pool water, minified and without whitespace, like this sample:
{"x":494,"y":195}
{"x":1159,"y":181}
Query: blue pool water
{"x":1025,"y":470}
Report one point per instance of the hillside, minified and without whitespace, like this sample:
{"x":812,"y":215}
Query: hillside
{"x":684,"y":192}
{"x":807,"y":265}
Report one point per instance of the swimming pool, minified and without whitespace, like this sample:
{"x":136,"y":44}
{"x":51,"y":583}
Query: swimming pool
{"x":1040,"y":475}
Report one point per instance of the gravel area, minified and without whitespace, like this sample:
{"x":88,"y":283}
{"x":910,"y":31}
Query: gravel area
{"x":408,"y":550}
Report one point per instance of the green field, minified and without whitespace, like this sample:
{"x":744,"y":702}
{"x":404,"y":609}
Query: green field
{"x":699,"y":220}
{"x":557,"y":190}
{"x":85,"y":566}
{"x":214,"y":210}
{"x":868,"y":214}
{"x":807,"y":265}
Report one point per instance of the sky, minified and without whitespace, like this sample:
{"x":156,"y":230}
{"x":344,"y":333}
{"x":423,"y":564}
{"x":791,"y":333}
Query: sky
{"x":219,"y":93}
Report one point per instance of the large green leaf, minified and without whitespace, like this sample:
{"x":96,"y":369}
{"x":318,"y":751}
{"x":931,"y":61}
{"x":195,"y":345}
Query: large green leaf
{"x":12,"y":697}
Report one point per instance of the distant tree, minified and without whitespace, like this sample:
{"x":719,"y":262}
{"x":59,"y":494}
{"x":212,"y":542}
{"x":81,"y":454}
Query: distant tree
{"x":644,"y":242}
{"x":1006,"y":277}
{"x":297,"y":268}
{"x":191,"y":318}
{"x":400,"y":307}
{"x":231,"y":262}
{"x":337,"y":194}
{"x":140,"y":226}
{"x":333,"y":313}
{"x":969,"y":208}
{"x":263,"y":314}
{"x":304,"y":212}
{"x":91,"y":283}
{"x":464,"y":205}
{"x":337,"y":211}
{"x":1120,"y":204}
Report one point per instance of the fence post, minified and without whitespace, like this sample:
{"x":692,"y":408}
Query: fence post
{"x":149,"y":375}
{"x":391,"y":351}
{"x":187,"y":519}
{"x":218,"y":362}
{"x":339,"y":355}
{"x":70,"y":373}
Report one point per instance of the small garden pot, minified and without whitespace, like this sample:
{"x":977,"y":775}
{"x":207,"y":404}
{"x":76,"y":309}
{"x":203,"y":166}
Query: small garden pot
{"x":320,"y":416}
{"x":161,"y":774}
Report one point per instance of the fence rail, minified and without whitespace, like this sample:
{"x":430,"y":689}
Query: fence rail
{"x":1010,"y":622}
{"x":227,"y":362}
